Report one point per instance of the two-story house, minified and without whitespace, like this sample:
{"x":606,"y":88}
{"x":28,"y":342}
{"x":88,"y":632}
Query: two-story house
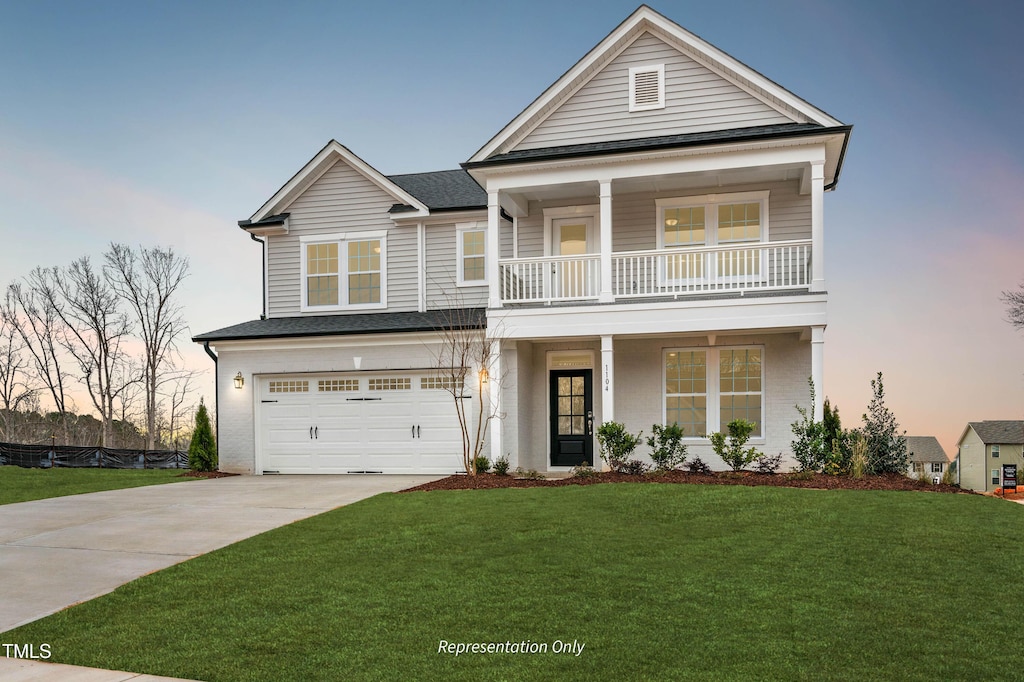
{"x":643,"y":243}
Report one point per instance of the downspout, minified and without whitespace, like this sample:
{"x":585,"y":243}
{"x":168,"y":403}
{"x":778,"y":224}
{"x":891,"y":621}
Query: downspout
{"x":216,"y":394}
{"x":263,"y":267}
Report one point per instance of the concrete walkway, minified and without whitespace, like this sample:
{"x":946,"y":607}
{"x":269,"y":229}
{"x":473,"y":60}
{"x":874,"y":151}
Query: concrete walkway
{"x":14,"y":670}
{"x":59,"y":552}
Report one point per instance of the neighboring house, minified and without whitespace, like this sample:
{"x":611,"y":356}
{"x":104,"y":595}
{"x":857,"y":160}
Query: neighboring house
{"x":644,"y":243}
{"x":926,"y":457}
{"x":983,"y":449}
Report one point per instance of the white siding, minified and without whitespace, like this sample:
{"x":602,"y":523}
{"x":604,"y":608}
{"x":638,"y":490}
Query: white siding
{"x":342,"y":200}
{"x":696,"y":100}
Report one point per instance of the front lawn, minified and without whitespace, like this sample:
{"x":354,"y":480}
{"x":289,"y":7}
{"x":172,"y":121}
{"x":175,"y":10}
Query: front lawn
{"x":656,"y":581}
{"x":21,"y":485}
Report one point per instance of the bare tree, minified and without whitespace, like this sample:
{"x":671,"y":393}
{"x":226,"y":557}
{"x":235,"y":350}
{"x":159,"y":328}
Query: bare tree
{"x":181,"y":389}
{"x":1014,"y":301}
{"x":39,"y":327}
{"x":466,"y":357}
{"x":148,"y":280}
{"x":94,"y":329}
{"x":15,"y":391}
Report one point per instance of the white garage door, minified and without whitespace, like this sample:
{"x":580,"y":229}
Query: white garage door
{"x":400,"y":423}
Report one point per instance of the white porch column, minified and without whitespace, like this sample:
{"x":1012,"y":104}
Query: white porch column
{"x":494,"y":398}
{"x":817,"y":227}
{"x":606,"y":243}
{"x":607,"y":378}
{"x":493,"y":250}
{"x":818,"y":369}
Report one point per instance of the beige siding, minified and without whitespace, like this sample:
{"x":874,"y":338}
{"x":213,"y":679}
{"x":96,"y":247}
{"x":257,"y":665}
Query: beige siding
{"x":635,"y":216}
{"x":696,"y":100}
{"x":974,"y":469}
{"x":342,"y":200}
{"x":442,"y":271}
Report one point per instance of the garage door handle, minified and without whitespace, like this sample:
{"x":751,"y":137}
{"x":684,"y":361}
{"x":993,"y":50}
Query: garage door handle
{"x":311,"y":433}
{"x":417,"y":430}
{"x":316,"y":432}
{"x":413,"y":430}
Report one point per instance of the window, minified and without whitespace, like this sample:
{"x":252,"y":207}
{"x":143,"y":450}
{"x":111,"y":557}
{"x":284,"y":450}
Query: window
{"x":995,"y":477}
{"x":332,"y":385}
{"x":343,"y":271}
{"x":647,"y":87}
{"x":471,"y":239}
{"x":713,"y":220}
{"x":918,"y":467}
{"x":995,"y":450}
{"x":289,"y":386}
{"x":936,"y":467}
{"x":703,"y":400}
{"x":391,"y":384}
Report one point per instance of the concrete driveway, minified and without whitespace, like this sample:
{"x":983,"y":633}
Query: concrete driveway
{"x":59,"y":552}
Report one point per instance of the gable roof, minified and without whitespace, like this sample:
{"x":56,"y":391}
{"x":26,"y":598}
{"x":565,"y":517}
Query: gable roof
{"x":332,"y":153}
{"x":646,"y":20}
{"x":998,"y":432}
{"x":925,"y":449}
{"x":346,"y":325}
{"x":443,"y":190}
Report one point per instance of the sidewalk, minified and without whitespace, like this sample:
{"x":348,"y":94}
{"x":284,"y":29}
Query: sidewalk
{"x":21,"y":670}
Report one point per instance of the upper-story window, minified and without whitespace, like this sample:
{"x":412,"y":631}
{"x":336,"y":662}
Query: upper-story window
{"x":344,"y":271}
{"x":471,"y":239}
{"x":647,"y":87}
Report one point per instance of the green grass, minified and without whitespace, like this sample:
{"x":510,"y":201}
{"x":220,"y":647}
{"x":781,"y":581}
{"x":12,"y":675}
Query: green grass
{"x":21,"y":485}
{"x":658,"y":581}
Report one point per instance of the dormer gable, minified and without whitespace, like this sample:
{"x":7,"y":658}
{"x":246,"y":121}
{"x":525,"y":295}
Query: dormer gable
{"x":332,"y":154}
{"x":651,"y":78}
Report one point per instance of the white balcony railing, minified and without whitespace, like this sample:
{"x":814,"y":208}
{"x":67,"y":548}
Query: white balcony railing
{"x":664,"y":272}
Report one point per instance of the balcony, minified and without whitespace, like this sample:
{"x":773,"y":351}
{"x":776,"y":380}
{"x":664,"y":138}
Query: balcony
{"x":660,"y":273}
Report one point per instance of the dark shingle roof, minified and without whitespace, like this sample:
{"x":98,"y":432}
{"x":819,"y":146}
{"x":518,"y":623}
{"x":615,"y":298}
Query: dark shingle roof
{"x":1003,"y":432}
{"x":661,"y":142}
{"x":344,"y":325}
{"x":443,"y":190}
{"x":925,"y":449}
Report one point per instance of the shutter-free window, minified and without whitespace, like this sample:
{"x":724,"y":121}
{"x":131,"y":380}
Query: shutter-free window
{"x":647,"y":87}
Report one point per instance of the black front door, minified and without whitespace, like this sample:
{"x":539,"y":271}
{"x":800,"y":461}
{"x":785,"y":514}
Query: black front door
{"x":572,"y":417}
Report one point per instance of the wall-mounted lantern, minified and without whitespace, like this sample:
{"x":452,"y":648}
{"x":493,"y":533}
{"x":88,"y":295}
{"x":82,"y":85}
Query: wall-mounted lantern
{"x":239,"y":380}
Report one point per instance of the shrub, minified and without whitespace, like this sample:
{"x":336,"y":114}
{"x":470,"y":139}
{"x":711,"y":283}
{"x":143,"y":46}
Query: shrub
{"x":481,"y":464}
{"x":667,"y":449}
{"x":697,"y":466}
{"x":733,"y":453}
{"x":202,"y":451}
{"x":616,"y":444}
{"x":501,"y":466}
{"x":529,"y":474}
{"x":633,"y":467}
{"x":886,"y":446}
{"x":859,"y":456}
{"x":584,"y":470}
{"x":809,"y":438}
{"x":768,"y":464}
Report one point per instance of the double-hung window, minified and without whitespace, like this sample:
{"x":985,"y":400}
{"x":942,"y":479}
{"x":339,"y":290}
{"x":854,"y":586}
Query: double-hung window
{"x":735,"y":221}
{"x":344,"y":271}
{"x":936,"y":467}
{"x":471,"y":239}
{"x":706,"y":388}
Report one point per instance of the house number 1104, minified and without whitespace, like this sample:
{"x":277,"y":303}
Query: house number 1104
{"x":607,"y":379}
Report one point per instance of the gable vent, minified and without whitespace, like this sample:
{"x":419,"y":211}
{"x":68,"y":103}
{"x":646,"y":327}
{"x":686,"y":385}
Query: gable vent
{"x":647,"y":87}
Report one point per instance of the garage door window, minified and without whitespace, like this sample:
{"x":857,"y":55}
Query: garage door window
{"x":442,"y":383}
{"x":289,"y":386}
{"x":391,"y":384}
{"x":330,"y":385}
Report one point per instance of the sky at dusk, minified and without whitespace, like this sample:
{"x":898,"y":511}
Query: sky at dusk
{"x":164,"y":123}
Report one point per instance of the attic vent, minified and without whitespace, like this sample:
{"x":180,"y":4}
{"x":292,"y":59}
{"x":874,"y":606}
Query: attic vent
{"x":647,"y":87}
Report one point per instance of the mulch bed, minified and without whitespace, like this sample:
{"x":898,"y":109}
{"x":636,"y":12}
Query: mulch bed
{"x":816,"y":481}
{"x":205,"y":474}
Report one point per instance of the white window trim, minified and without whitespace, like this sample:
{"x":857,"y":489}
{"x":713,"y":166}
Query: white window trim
{"x":633,"y":71}
{"x":341,"y":238}
{"x":714,"y":405}
{"x":460,"y":230}
{"x":995,"y":451}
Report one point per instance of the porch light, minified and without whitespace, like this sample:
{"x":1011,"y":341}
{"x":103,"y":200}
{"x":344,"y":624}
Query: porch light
{"x":671,"y":222}
{"x":239,"y":380}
